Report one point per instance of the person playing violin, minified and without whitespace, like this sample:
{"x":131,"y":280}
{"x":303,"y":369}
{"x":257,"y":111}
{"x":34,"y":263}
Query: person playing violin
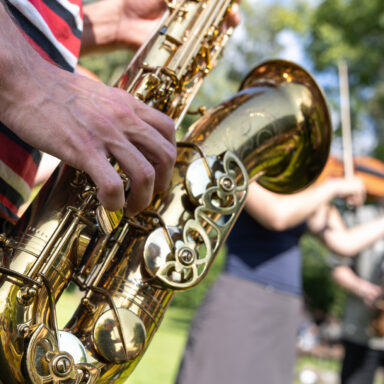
{"x":362,"y":278}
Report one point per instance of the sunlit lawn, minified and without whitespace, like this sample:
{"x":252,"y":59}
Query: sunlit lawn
{"x":161,"y":360}
{"x":160,"y":363}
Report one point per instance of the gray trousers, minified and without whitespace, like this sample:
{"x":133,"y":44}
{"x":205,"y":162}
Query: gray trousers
{"x":243,"y":333}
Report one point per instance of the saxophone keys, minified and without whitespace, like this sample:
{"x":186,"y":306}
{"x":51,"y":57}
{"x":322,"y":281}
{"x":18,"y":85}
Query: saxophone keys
{"x":119,"y":336}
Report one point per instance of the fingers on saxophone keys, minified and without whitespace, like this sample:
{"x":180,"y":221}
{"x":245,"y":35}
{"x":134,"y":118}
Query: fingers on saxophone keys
{"x":148,"y":166}
{"x":161,"y":122}
{"x":142,"y":175}
{"x":160,"y":152}
{"x":149,"y":170}
{"x":142,"y":141}
{"x":110,"y":189}
{"x":110,"y":186}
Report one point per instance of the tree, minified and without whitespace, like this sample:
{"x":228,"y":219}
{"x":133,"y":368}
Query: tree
{"x":353,"y":31}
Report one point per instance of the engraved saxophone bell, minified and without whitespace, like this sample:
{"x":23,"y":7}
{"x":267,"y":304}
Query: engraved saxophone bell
{"x":278,"y":126}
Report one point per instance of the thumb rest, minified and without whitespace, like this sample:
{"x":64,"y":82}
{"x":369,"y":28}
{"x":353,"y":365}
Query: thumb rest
{"x":276,"y":130}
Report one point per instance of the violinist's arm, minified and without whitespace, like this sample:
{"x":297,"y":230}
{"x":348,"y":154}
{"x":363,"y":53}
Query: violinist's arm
{"x":327,"y":224}
{"x":364,"y":289}
{"x":279,"y":212}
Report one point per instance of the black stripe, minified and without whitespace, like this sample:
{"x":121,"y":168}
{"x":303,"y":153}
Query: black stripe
{"x":10,"y":193}
{"x":66,"y":15}
{"x":39,"y":38}
{"x":7,"y":211}
{"x":35,"y":154}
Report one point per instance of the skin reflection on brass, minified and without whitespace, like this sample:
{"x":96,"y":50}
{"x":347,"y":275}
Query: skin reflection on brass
{"x":108,"y":220}
{"x":107,"y":337}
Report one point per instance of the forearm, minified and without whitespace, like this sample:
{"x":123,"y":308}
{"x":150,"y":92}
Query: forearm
{"x":361,"y":288}
{"x":280,"y":212}
{"x":351,"y":241}
{"x":300,"y":206}
{"x":347,"y":279}
{"x":18,"y":63}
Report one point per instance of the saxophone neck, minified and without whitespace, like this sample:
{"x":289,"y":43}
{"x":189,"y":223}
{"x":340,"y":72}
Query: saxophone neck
{"x":169,"y":69}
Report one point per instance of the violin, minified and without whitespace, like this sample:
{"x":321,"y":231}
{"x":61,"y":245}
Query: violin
{"x":369,"y":169}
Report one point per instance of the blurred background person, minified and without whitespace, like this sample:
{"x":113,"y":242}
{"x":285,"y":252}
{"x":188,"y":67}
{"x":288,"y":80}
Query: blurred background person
{"x":363,"y":327}
{"x":245,"y":330}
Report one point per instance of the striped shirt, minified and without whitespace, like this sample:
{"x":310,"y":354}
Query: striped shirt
{"x":53,"y":28}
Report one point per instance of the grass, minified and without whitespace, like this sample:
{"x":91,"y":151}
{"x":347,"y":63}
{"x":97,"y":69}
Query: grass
{"x":161,"y":360}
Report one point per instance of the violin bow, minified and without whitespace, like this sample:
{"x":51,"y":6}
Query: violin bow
{"x":345,"y":119}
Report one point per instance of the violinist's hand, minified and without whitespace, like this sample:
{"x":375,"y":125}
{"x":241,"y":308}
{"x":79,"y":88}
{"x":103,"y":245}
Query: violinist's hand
{"x":351,"y":189}
{"x":369,"y":293}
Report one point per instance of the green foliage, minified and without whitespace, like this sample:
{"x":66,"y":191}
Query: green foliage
{"x":108,"y":67}
{"x":352,"y":31}
{"x":321,"y":293}
{"x":376,"y":110}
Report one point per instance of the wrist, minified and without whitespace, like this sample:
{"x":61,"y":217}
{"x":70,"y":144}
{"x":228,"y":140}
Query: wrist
{"x":360,"y":291}
{"x":101,"y":24}
{"x":27,"y":90}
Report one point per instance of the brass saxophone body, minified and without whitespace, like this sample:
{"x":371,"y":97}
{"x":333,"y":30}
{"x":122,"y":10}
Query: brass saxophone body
{"x":276,"y":130}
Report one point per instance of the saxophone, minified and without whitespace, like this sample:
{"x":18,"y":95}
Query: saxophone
{"x":276,"y":130}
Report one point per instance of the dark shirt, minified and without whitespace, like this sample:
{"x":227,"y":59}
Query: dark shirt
{"x":271,"y":258}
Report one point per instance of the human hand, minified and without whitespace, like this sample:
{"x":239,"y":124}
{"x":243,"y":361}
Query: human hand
{"x":84,"y":122}
{"x":351,"y":189}
{"x":138,"y":19}
{"x":369,"y":293}
{"x":119,"y":24}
